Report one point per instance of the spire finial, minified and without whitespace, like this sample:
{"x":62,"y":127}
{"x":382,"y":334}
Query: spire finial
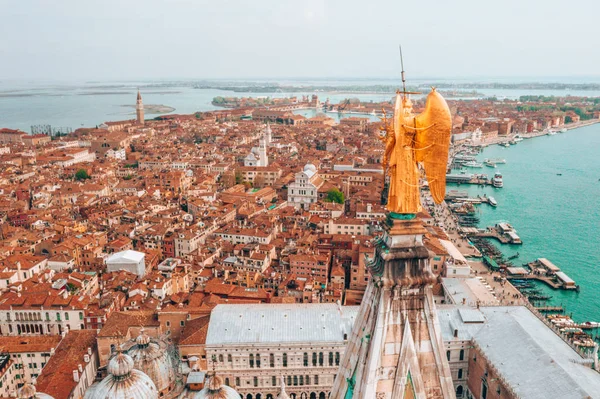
{"x":402,"y":65}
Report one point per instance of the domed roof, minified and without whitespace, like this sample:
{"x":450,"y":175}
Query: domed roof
{"x":120,"y":365}
{"x":124,"y":382}
{"x":28,"y":391}
{"x":215,"y":389}
{"x":153,"y":360}
{"x":310,"y":167}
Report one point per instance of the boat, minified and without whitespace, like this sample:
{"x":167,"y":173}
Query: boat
{"x":559,"y":174}
{"x":496,"y":160}
{"x":489,"y":163}
{"x":473,"y":164}
{"x":492,"y":201}
{"x":497,"y":180}
{"x":517,"y":139}
{"x":594,"y":324}
{"x":512,"y":142}
{"x":551,"y":132}
{"x":563,"y":130}
{"x":505,"y":145}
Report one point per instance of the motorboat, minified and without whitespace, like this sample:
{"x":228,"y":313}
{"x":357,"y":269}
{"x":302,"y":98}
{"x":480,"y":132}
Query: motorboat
{"x":492,"y":201}
{"x":473,"y":164}
{"x":489,"y":163}
{"x":497,"y":180}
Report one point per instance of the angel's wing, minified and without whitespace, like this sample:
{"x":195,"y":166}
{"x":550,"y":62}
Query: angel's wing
{"x":434,"y":128}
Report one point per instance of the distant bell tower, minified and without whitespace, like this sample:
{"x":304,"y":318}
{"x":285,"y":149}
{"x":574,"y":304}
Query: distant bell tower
{"x":139,"y":109}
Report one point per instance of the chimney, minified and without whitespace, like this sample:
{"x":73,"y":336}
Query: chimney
{"x":80,"y":368}
{"x":89,"y":351}
{"x":369,"y":207}
{"x":51,"y":351}
{"x":75,"y":375}
{"x":86,"y":358}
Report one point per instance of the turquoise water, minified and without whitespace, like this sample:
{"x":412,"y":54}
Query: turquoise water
{"x":557,"y":217}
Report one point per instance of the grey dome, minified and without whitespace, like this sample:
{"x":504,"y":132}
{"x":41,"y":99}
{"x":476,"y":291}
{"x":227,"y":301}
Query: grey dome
{"x":124,"y":382}
{"x":215,"y":389}
{"x":28,"y":391}
{"x":153,"y":360}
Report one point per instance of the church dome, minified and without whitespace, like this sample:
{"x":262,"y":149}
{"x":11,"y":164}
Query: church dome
{"x":215,"y":389}
{"x":310,"y":167}
{"x":153,"y":360}
{"x":28,"y":391}
{"x":124,"y":382}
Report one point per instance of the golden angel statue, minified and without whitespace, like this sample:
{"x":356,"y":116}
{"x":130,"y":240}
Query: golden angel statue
{"x":413,"y":140}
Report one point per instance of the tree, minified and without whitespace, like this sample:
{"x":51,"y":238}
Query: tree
{"x":335,"y":195}
{"x":82,"y":174}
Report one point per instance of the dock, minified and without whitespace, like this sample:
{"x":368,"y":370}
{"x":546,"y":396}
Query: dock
{"x":502,"y":232}
{"x":543,"y":266}
{"x":558,"y":309}
{"x":468,"y":179}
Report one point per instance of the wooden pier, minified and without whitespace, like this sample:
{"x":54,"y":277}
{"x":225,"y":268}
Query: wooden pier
{"x":558,"y":309}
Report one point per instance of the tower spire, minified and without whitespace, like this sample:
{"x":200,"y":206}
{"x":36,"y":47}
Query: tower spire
{"x":139,"y":109}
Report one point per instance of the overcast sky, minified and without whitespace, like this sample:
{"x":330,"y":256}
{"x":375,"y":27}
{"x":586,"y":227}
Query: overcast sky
{"x":124,"y":39}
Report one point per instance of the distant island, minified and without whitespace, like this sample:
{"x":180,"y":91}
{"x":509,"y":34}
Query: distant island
{"x":462,"y":89}
{"x":154,"y":108}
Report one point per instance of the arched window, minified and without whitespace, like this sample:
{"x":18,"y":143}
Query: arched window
{"x":229,"y":359}
{"x":460,"y":374}
{"x":66,"y":315}
{"x":320,"y":358}
{"x":314,"y":358}
{"x":316,"y":379}
{"x":271,"y":360}
{"x":461,"y":355}
{"x":459,"y":391}
{"x":251,"y":360}
{"x":220,"y":358}
{"x":307,"y":380}
{"x":258,"y":360}
{"x":285,"y":360}
{"x":448,"y":355}
{"x":337,"y":358}
{"x":255,"y":381}
{"x":301,"y":380}
{"x":331,"y":358}
{"x":227,"y":381}
{"x":305,"y":359}
{"x":237,"y":381}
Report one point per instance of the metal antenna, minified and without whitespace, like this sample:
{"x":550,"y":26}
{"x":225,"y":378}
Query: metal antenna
{"x":402,"y":65}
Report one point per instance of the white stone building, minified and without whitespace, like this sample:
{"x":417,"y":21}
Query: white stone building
{"x":255,"y":344}
{"x":304,"y":190}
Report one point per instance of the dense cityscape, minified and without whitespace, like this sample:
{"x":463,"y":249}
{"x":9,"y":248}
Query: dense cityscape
{"x":226,"y":254}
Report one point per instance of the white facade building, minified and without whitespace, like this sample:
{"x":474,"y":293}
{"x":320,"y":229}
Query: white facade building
{"x":256,"y":344}
{"x":304,"y":190}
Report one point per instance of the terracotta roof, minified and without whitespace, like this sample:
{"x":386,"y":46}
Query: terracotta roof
{"x":194,"y":332}
{"x":56,"y":379}
{"x":119,"y":322}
